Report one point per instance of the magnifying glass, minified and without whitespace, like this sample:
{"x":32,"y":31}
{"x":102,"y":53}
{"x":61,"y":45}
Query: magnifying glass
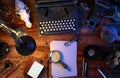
{"x":55,"y":57}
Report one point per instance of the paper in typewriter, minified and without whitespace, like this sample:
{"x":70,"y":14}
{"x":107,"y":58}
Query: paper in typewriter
{"x":69,"y":56}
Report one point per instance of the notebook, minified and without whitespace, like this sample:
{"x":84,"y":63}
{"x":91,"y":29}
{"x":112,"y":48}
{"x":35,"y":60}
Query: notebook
{"x":35,"y":69}
{"x":69,"y":56}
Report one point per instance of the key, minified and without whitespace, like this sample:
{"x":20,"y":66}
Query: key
{"x":7,"y":65}
{"x":68,"y":43}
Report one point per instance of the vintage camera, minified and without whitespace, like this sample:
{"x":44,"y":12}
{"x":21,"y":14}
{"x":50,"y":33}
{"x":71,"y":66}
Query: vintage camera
{"x":97,"y":13}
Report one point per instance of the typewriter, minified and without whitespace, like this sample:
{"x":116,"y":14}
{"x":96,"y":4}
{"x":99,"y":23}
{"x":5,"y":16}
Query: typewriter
{"x":57,"y":17}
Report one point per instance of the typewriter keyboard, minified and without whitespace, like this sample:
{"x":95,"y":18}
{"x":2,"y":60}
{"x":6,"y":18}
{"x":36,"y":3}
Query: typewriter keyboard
{"x":57,"y":27}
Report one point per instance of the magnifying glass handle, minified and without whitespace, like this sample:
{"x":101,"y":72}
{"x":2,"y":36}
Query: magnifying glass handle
{"x":64,"y":65}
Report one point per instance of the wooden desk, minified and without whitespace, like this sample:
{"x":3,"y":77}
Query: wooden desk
{"x":43,"y":42}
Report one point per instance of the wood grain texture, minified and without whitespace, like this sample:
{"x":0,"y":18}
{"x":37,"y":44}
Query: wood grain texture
{"x":43,"y":42}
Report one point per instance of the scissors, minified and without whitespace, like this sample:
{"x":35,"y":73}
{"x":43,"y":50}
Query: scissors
{"x":8,"y":64}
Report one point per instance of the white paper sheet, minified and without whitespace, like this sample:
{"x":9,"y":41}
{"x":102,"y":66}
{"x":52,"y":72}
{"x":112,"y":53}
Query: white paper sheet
{"x":69,"y":56}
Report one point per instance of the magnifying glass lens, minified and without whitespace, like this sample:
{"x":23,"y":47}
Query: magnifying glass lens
{"x":55,"y":56}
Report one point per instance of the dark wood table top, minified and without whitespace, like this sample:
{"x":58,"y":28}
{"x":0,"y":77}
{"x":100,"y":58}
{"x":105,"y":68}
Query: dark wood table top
{"x":43,"y":44}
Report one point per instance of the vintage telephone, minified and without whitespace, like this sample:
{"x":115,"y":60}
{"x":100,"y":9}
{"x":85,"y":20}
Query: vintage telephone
{"x":25,"y":45}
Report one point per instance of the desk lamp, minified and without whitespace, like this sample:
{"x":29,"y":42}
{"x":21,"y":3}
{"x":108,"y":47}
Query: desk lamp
{"x":25,"y":45}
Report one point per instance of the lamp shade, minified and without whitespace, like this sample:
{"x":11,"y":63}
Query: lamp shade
{"x":26,"y":46}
